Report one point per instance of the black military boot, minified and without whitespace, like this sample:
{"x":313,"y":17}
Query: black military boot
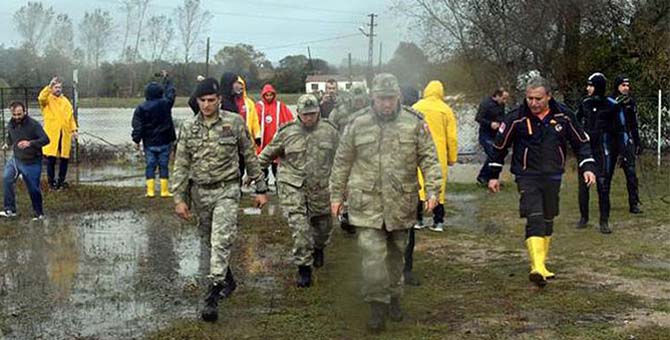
{"x":210,"y":312}
{"x":304,"y":276}
{"x":377,"y":320}
{"x":395,"y":313}
{"x":411,"y":279}
{"x":318,"y":257}
{"x":605,"y":228}
{"x":229,"y":285}
{"x":582,"y":223}
{"x":635,"y":209}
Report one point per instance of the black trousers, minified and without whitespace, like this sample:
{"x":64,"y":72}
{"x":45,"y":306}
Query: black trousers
{"x":605,"y":154}
{"x":538,"y":203}
{"x":411,"y":241}
{"x":51,"y":169}
{"x":628,"y":165}
{"x":438,"y":213}
{"x":273,"y":166}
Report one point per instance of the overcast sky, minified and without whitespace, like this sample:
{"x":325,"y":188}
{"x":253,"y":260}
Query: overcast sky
{"x":269,"y":25}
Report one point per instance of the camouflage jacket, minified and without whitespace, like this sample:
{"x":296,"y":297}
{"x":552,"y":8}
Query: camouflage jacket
{"x":342,"y":115}
{"x":376,"y":164}
{"x":208,"y":155}
{"x":306,"y":154}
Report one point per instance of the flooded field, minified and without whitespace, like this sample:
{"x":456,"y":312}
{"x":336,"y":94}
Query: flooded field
{"x":111,"y":275}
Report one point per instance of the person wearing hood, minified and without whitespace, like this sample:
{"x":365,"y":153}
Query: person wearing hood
{"x":598,"y":114}
{"x":442,"y":124}
{"x":154,"y":130}
{"x":60,"y":125}
{"x":26,"y":138}
{"x":234,"y":99}
{"x":306,"y":148}
{"x":629,"y":139}
{"x":272,"y":114}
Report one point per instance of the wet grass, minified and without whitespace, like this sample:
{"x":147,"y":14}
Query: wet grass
{"x":474,"y":279}
{"x":474,"y":275}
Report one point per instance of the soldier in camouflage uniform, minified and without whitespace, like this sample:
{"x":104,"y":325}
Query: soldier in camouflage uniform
{"x":340,"y":117}
{"x":208,"y":150}
{"x":375,"y":164}
{"x":343,"y":114}
{"x":306,"y":148}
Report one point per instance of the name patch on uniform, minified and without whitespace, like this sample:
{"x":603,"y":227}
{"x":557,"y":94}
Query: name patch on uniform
{"x":227,"y":130}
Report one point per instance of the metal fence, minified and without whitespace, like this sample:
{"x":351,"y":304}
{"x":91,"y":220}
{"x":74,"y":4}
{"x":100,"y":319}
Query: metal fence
{"x":27,"y":95}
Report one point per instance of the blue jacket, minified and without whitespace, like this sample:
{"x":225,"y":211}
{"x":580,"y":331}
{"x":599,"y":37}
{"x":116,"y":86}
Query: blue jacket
{"x":152,"y":120}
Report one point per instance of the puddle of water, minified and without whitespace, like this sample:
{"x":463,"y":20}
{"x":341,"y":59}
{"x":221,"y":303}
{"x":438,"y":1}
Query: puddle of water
{"x":105,"y":275}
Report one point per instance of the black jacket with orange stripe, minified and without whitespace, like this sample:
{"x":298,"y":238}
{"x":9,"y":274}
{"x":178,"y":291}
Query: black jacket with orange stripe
{"x":539,"y":146}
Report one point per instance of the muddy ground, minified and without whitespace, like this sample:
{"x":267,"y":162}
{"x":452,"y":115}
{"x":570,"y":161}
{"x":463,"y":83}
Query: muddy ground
{"x":110,"y":264}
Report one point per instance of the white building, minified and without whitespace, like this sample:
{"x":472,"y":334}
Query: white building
{"x":318,"y":82}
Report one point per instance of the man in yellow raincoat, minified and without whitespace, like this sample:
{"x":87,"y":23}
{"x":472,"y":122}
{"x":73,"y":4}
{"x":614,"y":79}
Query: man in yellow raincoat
{"x":442,"y":124}
{"x":60,"y":126}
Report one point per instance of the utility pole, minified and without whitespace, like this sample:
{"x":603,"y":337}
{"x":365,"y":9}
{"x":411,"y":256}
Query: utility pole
{"x":371,"y":35}
{"x":311,"y":64}
{"x":207,"y":60}
{"x":380,"y":57}
{"x":351,"y":72}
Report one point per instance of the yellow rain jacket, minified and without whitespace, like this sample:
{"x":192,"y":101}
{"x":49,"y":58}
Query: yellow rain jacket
{"x":253,"y":125}
{"x":59,"y":123}
{"x":442,"y":125}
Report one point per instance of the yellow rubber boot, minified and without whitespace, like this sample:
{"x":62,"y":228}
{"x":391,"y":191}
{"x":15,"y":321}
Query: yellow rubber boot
{"x":165,"y":192}
{"x":535,"y":246}
{"x":151,"y":183}
{"x":547,"y":274}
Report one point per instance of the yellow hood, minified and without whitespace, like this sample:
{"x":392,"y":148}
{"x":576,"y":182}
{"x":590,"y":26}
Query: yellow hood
{"x":434,"y":90}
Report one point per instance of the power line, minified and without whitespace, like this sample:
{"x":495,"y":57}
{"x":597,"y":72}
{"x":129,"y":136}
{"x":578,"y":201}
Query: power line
{"x":304,"y":8}
{"x":308,"y":42}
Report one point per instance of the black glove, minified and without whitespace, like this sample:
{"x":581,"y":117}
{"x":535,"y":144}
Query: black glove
{"x":344,"y":224}
{"x":257,"y":141}
{"x":638,"y":150}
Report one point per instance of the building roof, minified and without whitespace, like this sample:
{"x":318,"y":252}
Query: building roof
{"x":322,"y":78}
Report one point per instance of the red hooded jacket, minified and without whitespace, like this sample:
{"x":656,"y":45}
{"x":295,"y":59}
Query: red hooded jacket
{"x":271,"y":115}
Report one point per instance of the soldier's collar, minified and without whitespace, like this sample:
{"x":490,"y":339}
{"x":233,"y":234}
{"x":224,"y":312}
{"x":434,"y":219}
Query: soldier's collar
{"x":202,"y":121}
{"x":386,"y":118}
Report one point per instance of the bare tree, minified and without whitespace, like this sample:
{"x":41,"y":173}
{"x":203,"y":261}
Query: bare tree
{"x":191,"y":20}
{"x":142,"y":6}
{"x":128,"y":8}
{"x":32,"y":21}
{"x":61,"y":40}
{"x":160,"y":32}
{"x":96,"y":30}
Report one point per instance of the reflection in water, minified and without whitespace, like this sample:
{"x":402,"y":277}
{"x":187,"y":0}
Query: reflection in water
{"x":103,"y":275}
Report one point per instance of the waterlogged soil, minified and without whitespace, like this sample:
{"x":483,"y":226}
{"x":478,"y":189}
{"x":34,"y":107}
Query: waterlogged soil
{"x":127,"y":268}
{"x":112,"y":275}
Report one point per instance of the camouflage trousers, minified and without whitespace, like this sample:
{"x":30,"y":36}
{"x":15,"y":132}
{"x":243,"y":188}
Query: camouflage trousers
{"x":217,"y":210}
{"x":382,"y":254}
{"x":309,"y":219}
